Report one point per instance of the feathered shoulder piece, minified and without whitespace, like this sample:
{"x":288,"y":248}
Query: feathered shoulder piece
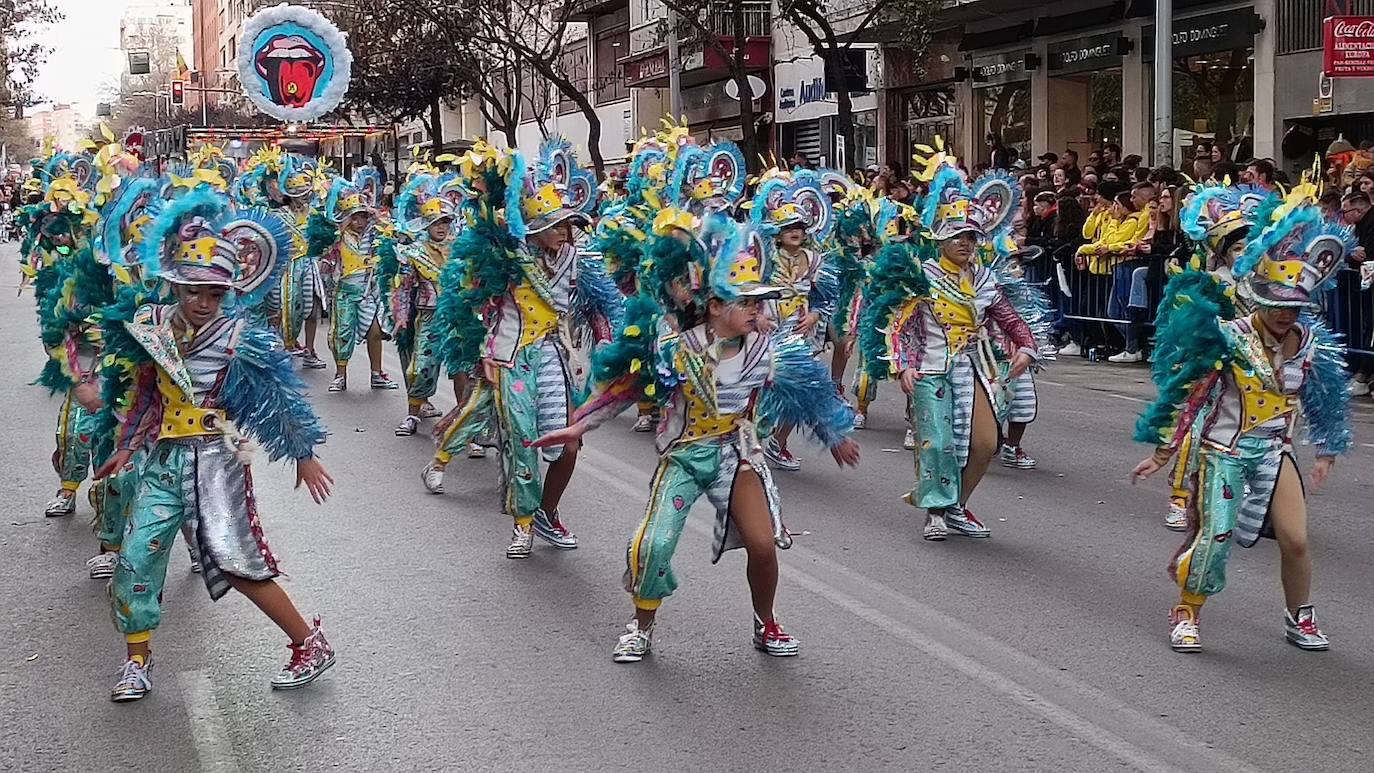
{"x":1325,"y":393}
{"x":947,"y":187}
{"x":995,"y":199}
{"x":122,"y":218}
{"x":417,"y":189}
{"x":368,"y":181}
{"x":801,"y":393}
{"x":1190,"y":347}
{"x":895,"y":278}
{"x":265,"y":397}
{"x":263,"y":241}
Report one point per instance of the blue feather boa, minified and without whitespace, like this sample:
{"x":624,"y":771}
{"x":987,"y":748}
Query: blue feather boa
{"x":802,"y":394}
{"x":265,"y":397}
{"x":1325,"y":393}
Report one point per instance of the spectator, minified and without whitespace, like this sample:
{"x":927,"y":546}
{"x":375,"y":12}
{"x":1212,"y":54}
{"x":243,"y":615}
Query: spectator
{"x":1094,"y":158}
{"x":1259,"y":171}
{"x":1111,"y":154}
{"x":1365,"y":184}
{"x":799,"y":161}
{"x":1219,"y":152}
{"x":998,"y":155}
{"x":1142,"y":174}
{"x":892,"y":170}
{"x":1355,"y":211}
{"x":1225,"y":171}
{"x":1059,"y":179}
{"x":1066,"y":234}
{"x":1069,"y":162}
{"x":900,"y":192}
{"x":871,"y":173}
{"x":1330,"y":202}
{"x":1202,"y":168}
{"x":1132,"y":162}
{"x":1048,"y":160}
{"x":1354,"y":321}
{"x":1042,"y":176}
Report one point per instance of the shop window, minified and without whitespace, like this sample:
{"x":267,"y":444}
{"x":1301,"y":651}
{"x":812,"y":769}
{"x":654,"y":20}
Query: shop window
{"x":921,"y":116}
{"x":609,"y":78}
{"x":1214,"y":99}
{"x":573,"y":63}
{"x":1006,"y":111}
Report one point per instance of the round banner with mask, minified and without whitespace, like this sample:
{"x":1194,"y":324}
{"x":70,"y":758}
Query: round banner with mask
{"x":294,"y":64}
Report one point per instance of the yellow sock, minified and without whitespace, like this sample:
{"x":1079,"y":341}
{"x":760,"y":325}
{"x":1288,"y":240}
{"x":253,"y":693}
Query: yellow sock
{"x":1194,"y":600}
{"x":647,"y":604}
{"x":524,"y":520}
{"x":70,"y":486}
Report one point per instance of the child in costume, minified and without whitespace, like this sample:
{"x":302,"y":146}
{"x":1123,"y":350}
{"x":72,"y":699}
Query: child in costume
{"x":345,"y":235}
{"x":204,"y":383}
{"x":1238,"y":388}
{"x":722,"y":381}
{"x":61,"y":252}
{"x":930,"y":321}
{"x":414,"y":294}
{"x":302,"y":287}
{"x":794,"y":208}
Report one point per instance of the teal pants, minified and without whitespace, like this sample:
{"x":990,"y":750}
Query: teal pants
{"x":939,"y":473}
{"x":71,"y":460}
{"x":422,"y":371}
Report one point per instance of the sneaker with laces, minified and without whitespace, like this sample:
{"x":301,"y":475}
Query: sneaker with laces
{"x":860,"y":420}
{"x":1126,"y":357}
{"x":63,"y":504}
{"x":381,"y":380}
{"x":313,"y":362}
{"x":1302,"y":630}
{"x":408,"y":426}
{"x":1070,"y":349}
{"x":1016,"y":458}
{"x":644,"y":423}
{"x":935,"y":530}
{"x":134,"y":681}
{"x":1177,"y":517}
{"x":1359,"y":388}
{"x":476,"y":452}
{"x":102,"y":566}
{"x":909,"y":442}
{"x":521,"y":542}
{"x":551,"y":529}
{"x":309,"y":659}
{"x":634,"y":644}
{"x":963,"y":522}
{"x":780,"y":457}
{"x":770,"y":638}
{"x":339,"y":384}
{"x":1184,"y":635}
{"x":428,"y":411}
{"x":433,"y":478}
{"x":295,"y":350}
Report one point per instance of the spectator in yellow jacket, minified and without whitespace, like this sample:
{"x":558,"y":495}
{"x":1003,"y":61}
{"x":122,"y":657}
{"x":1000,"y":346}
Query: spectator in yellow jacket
{"x":1119,"y":233}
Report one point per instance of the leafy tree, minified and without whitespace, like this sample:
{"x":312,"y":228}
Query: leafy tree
{"x":20,"y":55}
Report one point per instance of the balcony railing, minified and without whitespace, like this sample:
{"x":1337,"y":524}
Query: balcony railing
{"x":757,"y":22}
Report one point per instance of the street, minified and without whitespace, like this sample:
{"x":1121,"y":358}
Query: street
{"x":1044,"y":648}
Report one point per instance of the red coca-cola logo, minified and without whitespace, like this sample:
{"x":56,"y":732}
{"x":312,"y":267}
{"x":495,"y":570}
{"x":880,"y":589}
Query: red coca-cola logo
{"x":1363,"y":28}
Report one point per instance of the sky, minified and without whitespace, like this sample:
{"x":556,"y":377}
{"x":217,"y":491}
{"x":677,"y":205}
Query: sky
{"x":85,"y":53}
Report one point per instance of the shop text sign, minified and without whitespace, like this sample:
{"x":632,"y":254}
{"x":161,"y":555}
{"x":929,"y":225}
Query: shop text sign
{"x":1348,"y":46}
{"x":1082,"y":54}
{"x":999,"y":68}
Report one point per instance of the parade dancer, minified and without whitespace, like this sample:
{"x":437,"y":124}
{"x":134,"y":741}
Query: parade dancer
{"x":414,"y":294}
{"x":795,"y":209}
{"x":928,"y":322}
{"x":302,"y":289}
{"x":345,"y":234}
{"x":62,"y":224}
{"x":204,"y":384}
{"x":1238,"y":388}
{"x":720,"y":379}
{"x":1218,"y":219}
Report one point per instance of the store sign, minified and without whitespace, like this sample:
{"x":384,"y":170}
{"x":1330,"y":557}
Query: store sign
{"x":1348,"y":46}
{"x":1078,"y":55}
{"x":649,"y":68}
{"x":1208,"y":34}
{"x":801,"y":93}
{"x":999,"y":68}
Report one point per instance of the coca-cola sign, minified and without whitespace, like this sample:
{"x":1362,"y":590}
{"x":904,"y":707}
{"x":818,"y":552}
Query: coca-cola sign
{"x":1348,"y":46}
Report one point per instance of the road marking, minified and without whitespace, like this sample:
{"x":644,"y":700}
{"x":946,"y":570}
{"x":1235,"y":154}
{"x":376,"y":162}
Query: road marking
{"x":1099,"y":719}
{"x":213,"y":747}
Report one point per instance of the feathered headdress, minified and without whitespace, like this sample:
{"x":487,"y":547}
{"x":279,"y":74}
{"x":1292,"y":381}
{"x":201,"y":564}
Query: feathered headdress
{"x":1292,"y":258}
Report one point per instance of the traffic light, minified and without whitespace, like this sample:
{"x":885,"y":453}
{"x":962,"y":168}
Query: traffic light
{"x":178,"y":92}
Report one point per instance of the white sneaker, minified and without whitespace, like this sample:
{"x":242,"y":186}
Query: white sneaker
{"x":521,"y":542}
{"x":634,"y":644}
{"x":433,"y":478}
{"x":1183,"y":633}
{"x":551,"y":529}
{"x":860,"y":421}
{"x":1302,"y":631}
{"x":909,"y":442}
{"x":134,"y":682}
{"x":476,"y":452}
{"x":936,"y":530}
{"x":1016,"y":458}
{"x":1177,"y":518}
{"x":408,"y":426}
{"x":1359,"y":388}
{"x":102,"y":566}
{"x":1070,"y":349}
{"x":1126,"y":357}
{"x":780,"y":458}
{"x":771,"y":639}
{"x":644,"y":423}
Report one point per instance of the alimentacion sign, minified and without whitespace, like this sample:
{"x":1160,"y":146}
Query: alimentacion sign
{"x":1348,"y":46}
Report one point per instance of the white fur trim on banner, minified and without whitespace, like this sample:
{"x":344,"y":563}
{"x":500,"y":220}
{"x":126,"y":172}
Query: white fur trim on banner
{"x":288,"y":50}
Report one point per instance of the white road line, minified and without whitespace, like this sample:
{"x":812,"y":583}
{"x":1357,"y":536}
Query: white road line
{"x":1096,"y":717}
{"x":213,"y":747}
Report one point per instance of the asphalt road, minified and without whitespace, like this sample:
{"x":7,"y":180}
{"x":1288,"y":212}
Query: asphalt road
{"x":1042,"y":649}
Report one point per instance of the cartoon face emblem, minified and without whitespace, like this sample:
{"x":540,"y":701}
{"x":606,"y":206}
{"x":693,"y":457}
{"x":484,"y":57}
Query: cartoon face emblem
{"x":292,"y":66}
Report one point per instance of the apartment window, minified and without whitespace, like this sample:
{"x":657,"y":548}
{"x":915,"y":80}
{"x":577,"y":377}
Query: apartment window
{"x":609,"y":76}
{"x":233,"y":48}
{"x":573,"y":63}
{"x":223,"y":60}
{"x":1300,"y":21}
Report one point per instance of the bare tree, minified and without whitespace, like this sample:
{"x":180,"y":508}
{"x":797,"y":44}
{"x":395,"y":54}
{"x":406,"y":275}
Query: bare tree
{"x":20,"y":55}
{"x":723,"y":27}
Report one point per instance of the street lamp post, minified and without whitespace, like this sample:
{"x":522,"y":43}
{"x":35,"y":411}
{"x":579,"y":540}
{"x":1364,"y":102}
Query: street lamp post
{"x":1164,"y":82}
